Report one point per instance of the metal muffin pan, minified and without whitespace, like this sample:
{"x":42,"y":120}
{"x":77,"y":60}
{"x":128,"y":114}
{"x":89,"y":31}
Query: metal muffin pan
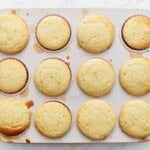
{"x":32,"y":55}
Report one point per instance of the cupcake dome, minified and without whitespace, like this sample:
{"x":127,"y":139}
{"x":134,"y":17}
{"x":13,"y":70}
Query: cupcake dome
{"x":96,"y":119}
{"x":13,"y":75}
{"x":14,"y":116}
{"x":52,"y":77}
{"x":136,"y":32}
{"x":95,"y":33}
{"x":53,"y":32}
{"x":14,"y":34}
{"x":134,"y":76}
{"x":96,"y":77}
{"x":135,"y":118}
{"x":53,"y":119}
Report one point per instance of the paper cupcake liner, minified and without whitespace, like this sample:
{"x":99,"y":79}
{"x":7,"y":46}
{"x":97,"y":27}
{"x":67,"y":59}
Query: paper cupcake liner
{"x":125,"y":44}
{"x":27,"y":80}
{"x":68,"y":68}
{"x":61,"y":48}
{"x":66,"y":106}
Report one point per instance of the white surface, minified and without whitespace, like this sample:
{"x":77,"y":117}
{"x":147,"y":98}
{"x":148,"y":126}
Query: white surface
{"x":76,"y":3}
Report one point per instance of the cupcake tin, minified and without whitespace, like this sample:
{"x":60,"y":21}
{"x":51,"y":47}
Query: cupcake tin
{"x":32,"y":55}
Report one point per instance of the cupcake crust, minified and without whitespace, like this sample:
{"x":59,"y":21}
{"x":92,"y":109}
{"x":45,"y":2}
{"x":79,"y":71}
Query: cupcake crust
{"x":53,"y":32}
{"x":14,"y":116}
{"x":53,"y":119}
{"x":14,"y":34}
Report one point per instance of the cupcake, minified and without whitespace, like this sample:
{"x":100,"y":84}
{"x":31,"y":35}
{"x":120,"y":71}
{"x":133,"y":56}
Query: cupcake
{"x":96,"y":77}
{"x":53,"y":32}
{"x":135,"y":118}
{"x":95,"y":33}
{"x":136,"y":32}
{"x":13,"y":75}
{"x":52,"y":77}
{"x":134,"y":76}
{"x":14,"y":34}
{"x":96,"y":119}
{"x":53,"y":119}
{"x":14,"y":117}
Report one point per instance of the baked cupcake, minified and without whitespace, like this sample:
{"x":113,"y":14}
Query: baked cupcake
{"x":53,"y":119}
{"x":14,"y":117}
{"x":96,"y":77}
{"x":13,"y":75}
{"x":96,"y":119}
{"x":135,"y":118}
{"x":52,"y":77}
{"x":53,"y":32}
{"x":136,"y":32}
{"x":14,"y":34}
{"x":95,"y":33}
{"x":134,"y":76}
